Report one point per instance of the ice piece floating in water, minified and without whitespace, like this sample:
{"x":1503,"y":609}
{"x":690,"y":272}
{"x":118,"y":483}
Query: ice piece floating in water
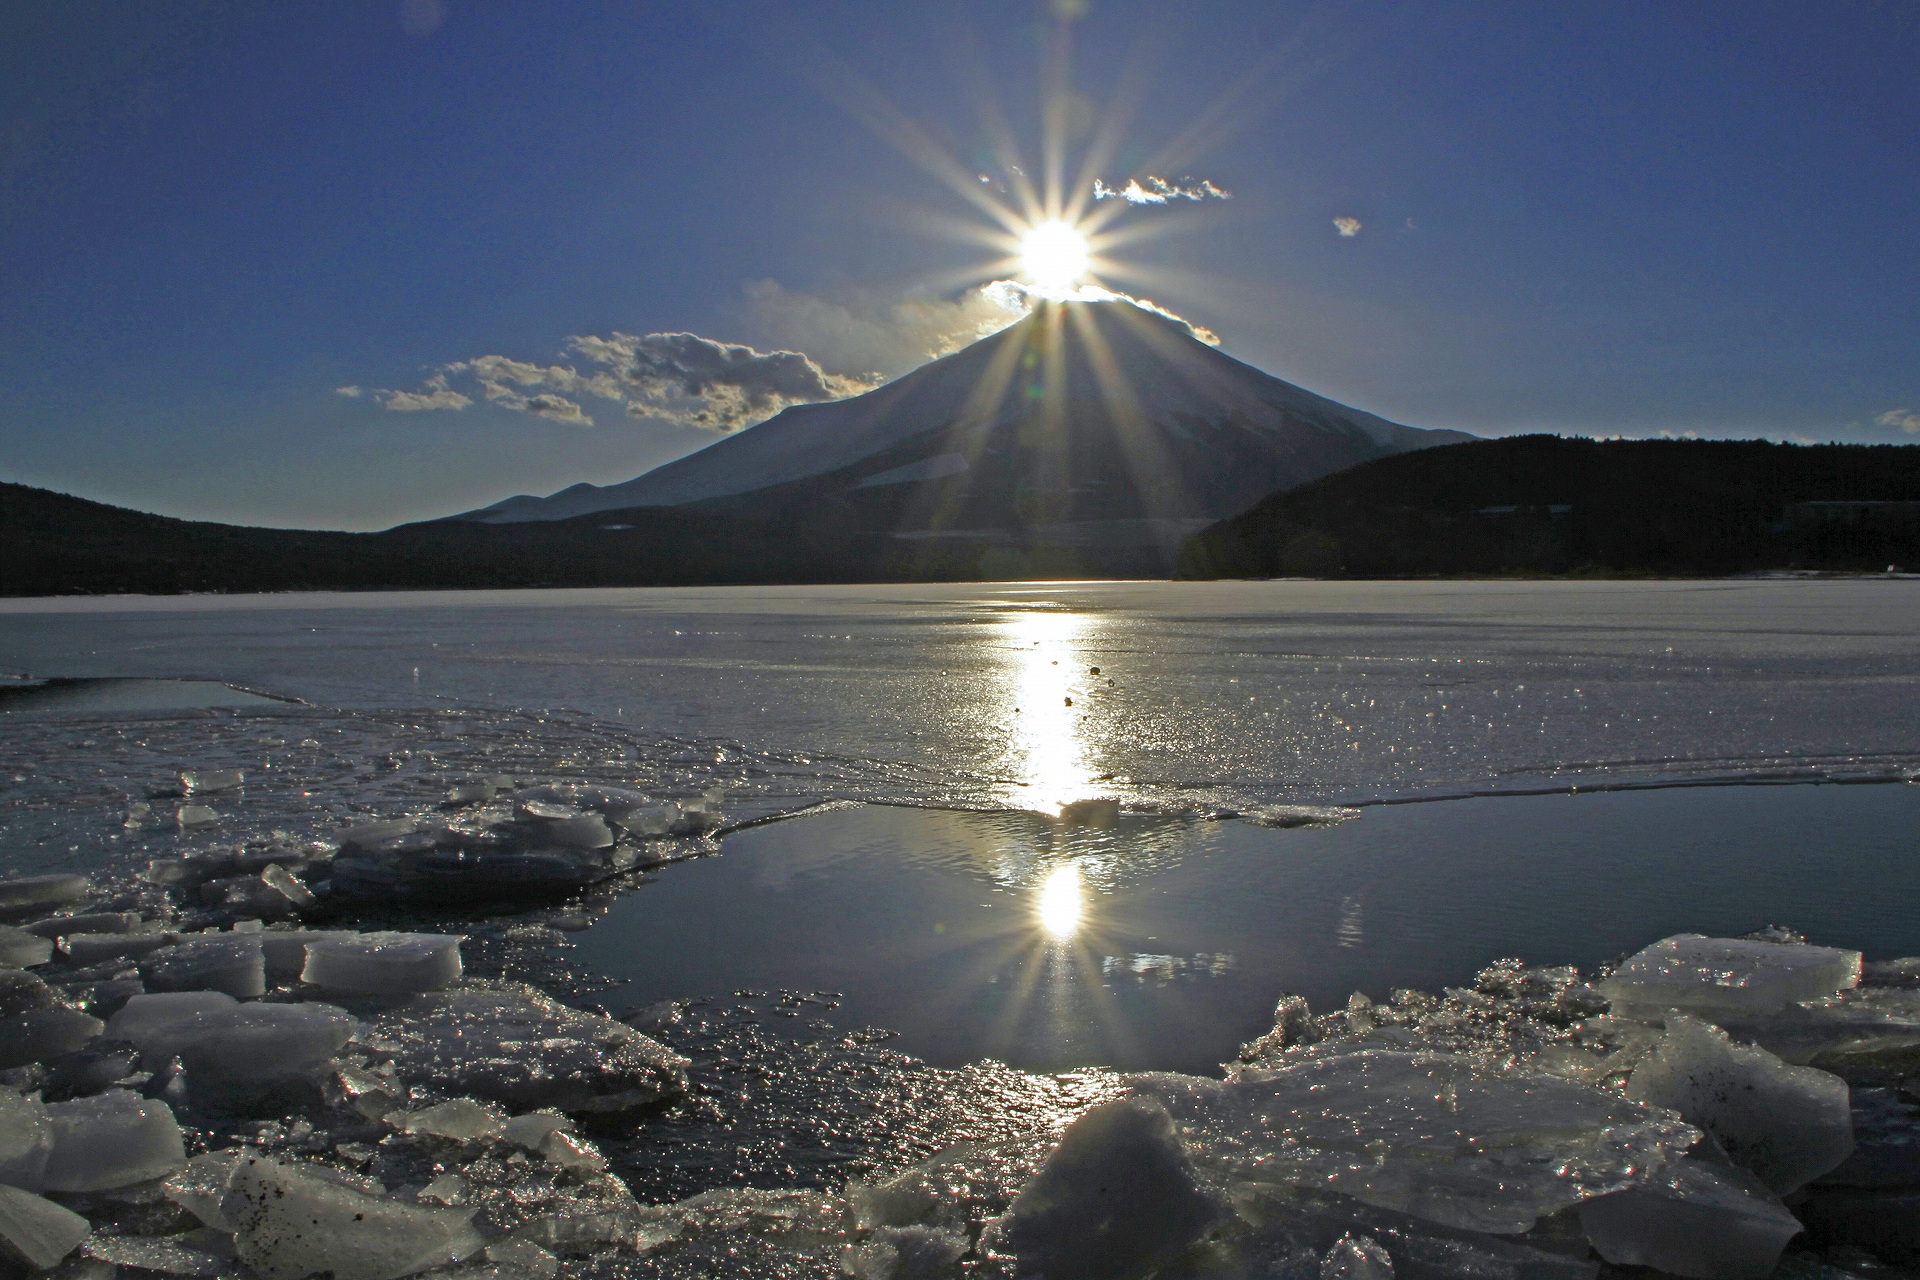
{"x":37,"y":1231}
{"x":20,"y":949}
{"x":1787,"y":1124}
{"x":1695,"y":1219}
{"x":1439,"y":1136}
{"x":512,"y":1045}
{"x":34,"y":894}
{"x":1117,"y":1199}
{"x":26,"y":1139}
{"x":1722,"y":978}
{"x":239,"y":1043}
{"x":228,"y":962}
{"x":113,"y":1140}
{"x":41,"y":1035}
{"x":383,"y":964}
{"x":291,"y":1221}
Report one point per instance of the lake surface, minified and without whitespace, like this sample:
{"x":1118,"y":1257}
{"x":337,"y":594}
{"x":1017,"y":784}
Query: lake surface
{"x":1162,"y":943}
{"x":1185,"y":702}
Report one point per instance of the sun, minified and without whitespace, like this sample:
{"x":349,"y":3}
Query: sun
{"x":1054,"y":256}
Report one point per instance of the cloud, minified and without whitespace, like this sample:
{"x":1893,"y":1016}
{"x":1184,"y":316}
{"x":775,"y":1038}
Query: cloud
{"x":1159,"y":191}
{"x":871,"y":332}
{"x":351,"y":393}
{"x":1905,"y":419}
{"x":435,"y":395}
{"x":1028,"y":295}
{"x":680,"y":377}
{"x":1348,"y":226}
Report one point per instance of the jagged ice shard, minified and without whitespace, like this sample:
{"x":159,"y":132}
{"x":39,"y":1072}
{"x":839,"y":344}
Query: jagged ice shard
{"x":1440,"y":1136}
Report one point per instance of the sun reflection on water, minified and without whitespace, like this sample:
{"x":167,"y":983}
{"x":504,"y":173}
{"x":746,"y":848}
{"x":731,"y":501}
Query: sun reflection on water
{"x":1059,"y":903}
{"x":1048,"y":752}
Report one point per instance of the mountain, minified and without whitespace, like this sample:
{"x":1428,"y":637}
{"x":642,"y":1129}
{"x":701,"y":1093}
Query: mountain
{"x":1546,"y":505}
{"x":1082,"y":423}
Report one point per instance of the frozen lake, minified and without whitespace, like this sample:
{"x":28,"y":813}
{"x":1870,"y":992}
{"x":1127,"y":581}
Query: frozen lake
{"x":1184,"y":701}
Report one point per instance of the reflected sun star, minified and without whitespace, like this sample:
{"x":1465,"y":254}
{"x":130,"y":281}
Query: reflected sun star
{"x":1059,"y":905}
{"x":1054,"y":256}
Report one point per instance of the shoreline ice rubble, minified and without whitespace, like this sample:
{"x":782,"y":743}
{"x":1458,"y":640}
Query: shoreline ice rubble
{"x":210,"y":1075}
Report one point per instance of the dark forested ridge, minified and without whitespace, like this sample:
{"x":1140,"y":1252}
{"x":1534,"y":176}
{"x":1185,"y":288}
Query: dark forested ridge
{"x":1547,"y":505}
{"x":1529,"y":505}
{"x":53,"y":544}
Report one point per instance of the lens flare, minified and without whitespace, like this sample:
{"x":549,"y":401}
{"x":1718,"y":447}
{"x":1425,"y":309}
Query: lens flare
{"x":1054,"y":256}
{"x":1059,"y":905}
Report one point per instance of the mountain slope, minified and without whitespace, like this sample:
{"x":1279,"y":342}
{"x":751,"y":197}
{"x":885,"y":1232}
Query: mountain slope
{"x":1095,"y":395}
{"x":1546,"y":505}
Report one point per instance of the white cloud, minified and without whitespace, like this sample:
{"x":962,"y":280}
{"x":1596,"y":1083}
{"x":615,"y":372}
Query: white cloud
{"x":870,"y":332}
{"x":1028,"y":295}
{"x":351,"y":393}
{"x":1347,"y":226}
{"x":435,"y":395}
{"x":1905,"y":419}
{"x":681,"y":377}
{"x":1159,"y":191}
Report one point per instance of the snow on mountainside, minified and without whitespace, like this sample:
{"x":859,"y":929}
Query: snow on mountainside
{"x":1211,"y":434}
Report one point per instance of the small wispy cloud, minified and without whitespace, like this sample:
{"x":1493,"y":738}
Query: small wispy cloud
{"x":1159,"y":191}
{"x":680,"y":377}
{"x":1348,"y":227}
{"x":1905,"y":419}
{"x":350,"y":392}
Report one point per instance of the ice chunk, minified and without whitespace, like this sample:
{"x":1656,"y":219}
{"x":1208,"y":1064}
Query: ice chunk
{"x":199,"y":781}
{"x":1717,"y":978}
{"x":532,"y":1129}
{"x":36,"y":1231}
{"x":1904,"y":972}
{"x":100,"y":1065}
{"x":21,"y":991}
{"x":1293,"y":1228}
{"x":1116,"y":1199}
{"x":1356,"y":1258}
{"x":96,"y":948}
{"x":286,"y":950}
{"x":245,"y":1042}
{"x":1787,"y":1124}
{"x":512,"y":1045}
{"x":143,"y":1016}
{"x":26,"y":1138}
{"x":462,"y":1119}
{"x":1870,"y":1035}
{"x":201,"y":1187}
{"x":40,"y":1035}
{"x":383,"y":964}
{"x":524,"y":1257}
{"x":1095,"y":811}
{"x":93,"y":922}
{"x":284,"y":881}
{"x":229,"y":962}
{"x":22,"y":950}
{"x":906,"y":1253}
{"x":196,"y":1254}
{"x":289,"y":1222}
{"x":1299,"y":815}
{"x":572,"y":1153}
{"x":25,"y":895}
{"x":113,"y":1140}
{"x":1713,"y":1222}
{"x":1441,"y":1136}
{"x":196,"y":815}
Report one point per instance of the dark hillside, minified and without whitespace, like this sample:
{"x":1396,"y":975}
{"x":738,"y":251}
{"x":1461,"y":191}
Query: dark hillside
{"x":53,"y":544}
{"x":1546,"y":505}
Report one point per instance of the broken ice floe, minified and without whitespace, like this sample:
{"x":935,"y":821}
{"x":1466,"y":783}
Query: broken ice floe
{"x":1532,"y":1124}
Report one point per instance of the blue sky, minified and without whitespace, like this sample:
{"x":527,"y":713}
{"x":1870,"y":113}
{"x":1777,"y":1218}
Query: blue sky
{"x":1622,"y":218}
